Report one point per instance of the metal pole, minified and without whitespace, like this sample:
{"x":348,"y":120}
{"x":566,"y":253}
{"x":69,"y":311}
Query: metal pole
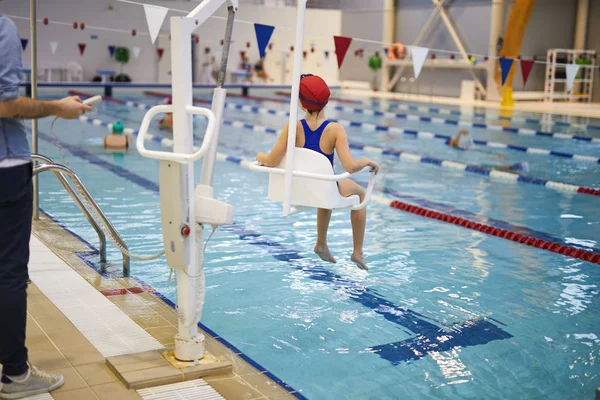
{"x":218,"y":104}
{"x":34,"y":124}
{"x":293,"y":120}
{"x":581,"y":22}
{"x":496,"y":24}
{"x":226,"y":45}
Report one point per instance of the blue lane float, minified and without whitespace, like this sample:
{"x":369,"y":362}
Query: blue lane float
{"x":402,"y":155}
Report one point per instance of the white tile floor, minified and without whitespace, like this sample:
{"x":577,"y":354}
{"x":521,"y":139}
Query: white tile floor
{"x":108,"y":328}
{"x":197,"y":389}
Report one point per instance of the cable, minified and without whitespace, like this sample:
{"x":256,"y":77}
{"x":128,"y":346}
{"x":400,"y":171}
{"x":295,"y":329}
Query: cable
{"x":56,"y":142}
{"x":214,"y":229}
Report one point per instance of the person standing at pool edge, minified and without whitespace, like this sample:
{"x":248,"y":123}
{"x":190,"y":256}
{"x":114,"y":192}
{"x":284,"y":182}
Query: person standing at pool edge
{"x":325,"y":137}
{"x":19,"y":378}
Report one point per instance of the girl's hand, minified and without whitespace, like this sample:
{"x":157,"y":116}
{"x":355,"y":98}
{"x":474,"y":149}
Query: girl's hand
{"x":260,"y":157}
{"x":374,"y":166}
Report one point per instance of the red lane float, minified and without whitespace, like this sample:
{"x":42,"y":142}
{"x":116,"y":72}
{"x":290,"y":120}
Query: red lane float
{"x":585,"y":190}
{"x":498,"y":232}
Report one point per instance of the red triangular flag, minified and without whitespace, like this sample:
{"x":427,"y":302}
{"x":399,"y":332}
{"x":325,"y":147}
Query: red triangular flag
{"x":81,"y":48}
{"x":305,"y":53}
{"x":160,"y":53}
{"x":526,"y":66}
{"x":342,"y":44}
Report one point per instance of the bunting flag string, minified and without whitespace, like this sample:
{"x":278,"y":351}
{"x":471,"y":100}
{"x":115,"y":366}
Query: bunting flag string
{"x":505,"y":65}
{"x":136,"y":52}
{"x":155,"y":16}
{"x":572,"y":70}
{"x":526,"y":67}
{"x":419,"y":54}
{"x":263,"y":36}
{"x":160,"y":53}
{"x":111,"y":50}
{"x":24,"y":43}
{"x":342,"y":44}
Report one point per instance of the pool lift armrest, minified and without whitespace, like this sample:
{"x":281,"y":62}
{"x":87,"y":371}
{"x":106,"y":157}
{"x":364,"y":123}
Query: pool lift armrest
{"x":170,"y":156}
{"x":258,"y":167}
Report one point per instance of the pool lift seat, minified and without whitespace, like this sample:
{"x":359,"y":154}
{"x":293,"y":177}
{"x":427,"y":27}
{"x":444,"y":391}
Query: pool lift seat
{"x":314,"y":183}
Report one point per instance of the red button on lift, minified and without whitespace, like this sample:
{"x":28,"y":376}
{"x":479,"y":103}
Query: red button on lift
{"x":185,"y":231}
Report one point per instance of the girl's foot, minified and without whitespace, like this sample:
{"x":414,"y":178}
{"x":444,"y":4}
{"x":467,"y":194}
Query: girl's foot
{"x":360,"y":261}
{"x":324,"y":253}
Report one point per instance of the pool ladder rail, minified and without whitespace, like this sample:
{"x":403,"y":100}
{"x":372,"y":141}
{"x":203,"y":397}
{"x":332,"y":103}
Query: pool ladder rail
{"x":88,"y":206}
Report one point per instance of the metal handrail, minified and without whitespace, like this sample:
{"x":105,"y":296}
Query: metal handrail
{"x":60,"y":171}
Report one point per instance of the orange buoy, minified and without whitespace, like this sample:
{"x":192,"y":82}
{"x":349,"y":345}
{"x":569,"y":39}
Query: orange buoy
{"x":396,"y":51}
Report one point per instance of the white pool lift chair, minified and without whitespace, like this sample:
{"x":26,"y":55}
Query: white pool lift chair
{"x":314,"y":183}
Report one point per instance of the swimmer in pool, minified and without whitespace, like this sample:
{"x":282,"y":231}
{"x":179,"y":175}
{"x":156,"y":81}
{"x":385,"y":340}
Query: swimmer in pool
{"x":166,"y":123}
{"x":464,"y":141}
{"x":259,"y":69}
{"x":117,"y":141}
{"x":316,"y":133}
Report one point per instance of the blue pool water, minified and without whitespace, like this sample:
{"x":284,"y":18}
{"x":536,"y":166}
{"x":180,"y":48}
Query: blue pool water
{"x":444,"y":312}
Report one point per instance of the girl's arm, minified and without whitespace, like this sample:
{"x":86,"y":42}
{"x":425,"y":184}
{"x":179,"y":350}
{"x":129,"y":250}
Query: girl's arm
{"x":276,"y":155}
{"x":342,"y":147}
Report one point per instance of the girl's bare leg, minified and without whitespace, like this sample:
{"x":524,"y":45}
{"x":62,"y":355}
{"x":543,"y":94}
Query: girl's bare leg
{"x":359,"y":220}
{"x":321,"y":248}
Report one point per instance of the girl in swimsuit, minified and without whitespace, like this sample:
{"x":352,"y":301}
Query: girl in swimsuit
{"x":316,"y":133}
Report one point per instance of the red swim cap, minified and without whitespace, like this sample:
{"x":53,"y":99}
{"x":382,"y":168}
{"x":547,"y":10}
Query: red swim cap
{"x":314,"y":93}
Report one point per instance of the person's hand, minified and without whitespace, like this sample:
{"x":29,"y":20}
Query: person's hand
{"x":71,"y":107}
{"x":374,"y":166}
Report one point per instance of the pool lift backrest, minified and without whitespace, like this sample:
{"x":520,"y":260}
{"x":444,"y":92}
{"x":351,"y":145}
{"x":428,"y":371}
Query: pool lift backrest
{"x":185,"y":211}
{"x":294,"y":190}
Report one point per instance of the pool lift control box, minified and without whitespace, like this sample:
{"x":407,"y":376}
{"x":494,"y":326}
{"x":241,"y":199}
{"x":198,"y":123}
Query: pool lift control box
{"x":208,"y":210}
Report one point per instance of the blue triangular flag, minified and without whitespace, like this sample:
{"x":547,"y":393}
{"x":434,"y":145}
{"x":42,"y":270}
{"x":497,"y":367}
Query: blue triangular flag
{"x":24,"y":43}
{"x":326,"y":54}
{"x":111,"y":50}
{"x":505,"y":64}
{"x":263,"y":35}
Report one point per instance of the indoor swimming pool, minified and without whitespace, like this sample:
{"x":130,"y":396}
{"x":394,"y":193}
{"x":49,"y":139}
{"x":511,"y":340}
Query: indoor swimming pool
{"x":444,"y":311}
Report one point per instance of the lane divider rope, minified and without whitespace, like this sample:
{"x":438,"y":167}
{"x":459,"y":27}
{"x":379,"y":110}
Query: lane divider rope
{"x":399,"y":205}
{"x":498,"y":232}
{"x":402,"y":155}
{"x":467,"y":124}
{"x":447,"y":111}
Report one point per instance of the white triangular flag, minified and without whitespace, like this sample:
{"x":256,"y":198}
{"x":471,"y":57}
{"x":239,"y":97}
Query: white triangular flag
{"x":419,"y":54}
{"x":136,"y":52}
{"x":53,"y":47}
{"x":572,"y":70}
{"x":155,"y":16}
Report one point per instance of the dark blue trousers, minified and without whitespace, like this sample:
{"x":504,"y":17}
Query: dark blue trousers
{"x":16,"y":206}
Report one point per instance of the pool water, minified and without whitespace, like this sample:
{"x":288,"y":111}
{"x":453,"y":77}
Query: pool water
{"x":444,"y":312}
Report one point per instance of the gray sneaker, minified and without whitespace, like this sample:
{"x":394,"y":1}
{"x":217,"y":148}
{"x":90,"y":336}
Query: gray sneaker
{"x":30,"y":383}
